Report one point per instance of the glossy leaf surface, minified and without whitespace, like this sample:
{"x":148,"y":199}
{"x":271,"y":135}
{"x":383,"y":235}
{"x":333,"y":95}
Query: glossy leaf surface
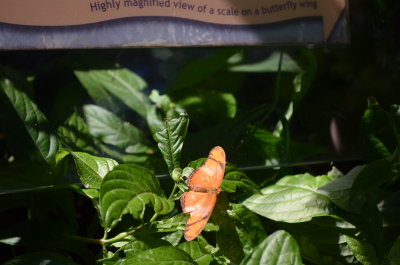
{"x":279,"y":248}
{"x":128,"y":189}
{"x":170,"y":140}
{"x":292,"y":199}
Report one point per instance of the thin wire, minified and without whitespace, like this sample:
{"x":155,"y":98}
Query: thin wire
{"x":166,"y":176}
{"x":286,"y":165}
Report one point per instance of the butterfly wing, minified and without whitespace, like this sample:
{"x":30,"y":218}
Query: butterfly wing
{"x":209,"y":175}
{"x":200,"y":206}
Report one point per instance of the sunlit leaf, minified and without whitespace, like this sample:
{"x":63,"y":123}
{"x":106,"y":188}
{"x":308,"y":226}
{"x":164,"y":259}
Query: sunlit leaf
{"x":92,"y":169}
{"x":127,"y":189}
{"x":170,"y":140}
{"x":279,"y":248}
{"x":292,"y":199}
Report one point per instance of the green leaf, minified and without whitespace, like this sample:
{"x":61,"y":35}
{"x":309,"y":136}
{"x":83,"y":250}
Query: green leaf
{"x":134,"y":247}
{"x":207,"y":106}
{"x":197,"y":71}
{"x":292,"y":199}
{"x":227,"y":232}
{"x":339,"y":190}
{"x":196,"y":163}
{"x":122,"y":83}
{"x":279,"y":248}
{"x":269,"y":65}
{"x":172,"y":224}
{"x":234,"y":180}
{"x":92,"y":169}
{"x":199,"y":255}
{"x":372,"y":177}
{"x":12,"y":241}
{"x":170,"y":140}
{"x":170,"y":109}
{"x":311,"y":252}
{"x":19,"y":109}
{"x":154,"y":121}
{"x":362,"y":250}
{"x":74,"y":134}
{"x":160,"y":256}
{"x":248,"y":227}
{"x":347,"y":191}
{"x":276,"y":150}
{"x":94,"y":195}
{"x":174,"y":238}
{"x":394,"y":254}
{"x":380,"y":132}
{"x":96,"y":90}
{"x":127,"y":189}
{"x":113,"y":131}
{"x":322,"y":241}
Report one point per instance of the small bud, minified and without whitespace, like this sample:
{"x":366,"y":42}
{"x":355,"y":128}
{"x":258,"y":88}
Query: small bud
{"x":177,"y":174}
{"x":187,"y":171}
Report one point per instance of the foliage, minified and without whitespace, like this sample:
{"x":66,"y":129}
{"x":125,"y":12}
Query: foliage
{"x":95,"y":173}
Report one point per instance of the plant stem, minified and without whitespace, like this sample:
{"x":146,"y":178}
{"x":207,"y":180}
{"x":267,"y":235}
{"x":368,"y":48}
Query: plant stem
{"x":173,"y":191}
{"x":86,"y":239}
{"x":105,"y":241}
{"x":121,"y":235}
{"x":154,"y":217}
{"x":104,"y":248}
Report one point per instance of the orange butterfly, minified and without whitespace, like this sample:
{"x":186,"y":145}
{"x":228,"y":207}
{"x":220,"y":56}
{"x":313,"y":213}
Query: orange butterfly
{"x":204,"y":185}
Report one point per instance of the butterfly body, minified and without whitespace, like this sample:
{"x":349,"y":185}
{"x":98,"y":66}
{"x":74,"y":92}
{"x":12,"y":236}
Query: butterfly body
{"x":211,"y":191}
{"x":204,"y":184}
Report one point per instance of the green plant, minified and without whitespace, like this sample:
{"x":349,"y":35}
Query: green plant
{"x":83,"y":181}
